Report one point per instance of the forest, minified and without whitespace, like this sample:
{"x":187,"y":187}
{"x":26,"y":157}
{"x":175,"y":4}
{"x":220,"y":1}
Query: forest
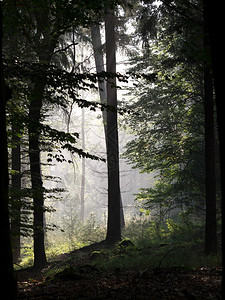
{"x":111,"y":165}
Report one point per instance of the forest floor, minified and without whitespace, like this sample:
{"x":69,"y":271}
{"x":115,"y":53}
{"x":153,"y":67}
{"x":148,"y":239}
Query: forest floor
{"x":77,"y":276}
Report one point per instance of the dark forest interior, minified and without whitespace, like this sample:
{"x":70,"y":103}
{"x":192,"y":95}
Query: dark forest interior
{"x":111,"y":142}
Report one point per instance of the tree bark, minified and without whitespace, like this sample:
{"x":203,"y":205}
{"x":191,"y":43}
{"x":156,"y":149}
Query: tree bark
{"x":99,"y":63}
{"x":44,"y":48}
{"x":16,"y":159}
{"x":8,"y":282}
{"x":114,"y":224}
{"x":210,"y":169}
{"x":83,"y":167}
{"x":214,"y":21}
{"x":16,"y":198}
{"x":36,"y":178}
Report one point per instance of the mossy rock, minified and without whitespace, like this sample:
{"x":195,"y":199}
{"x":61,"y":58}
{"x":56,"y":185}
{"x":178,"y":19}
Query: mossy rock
{"x":126,"y":243}
{"x":125,"y":246}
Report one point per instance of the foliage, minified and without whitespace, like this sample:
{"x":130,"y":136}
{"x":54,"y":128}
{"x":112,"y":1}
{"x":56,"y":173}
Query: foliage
{"x":169,"y":130}
{"x":166,"y":116}
{"x":176,"y":257}
{"x":174,"y":244}
{"x":74,"y":234}
{"x":31,"y":32}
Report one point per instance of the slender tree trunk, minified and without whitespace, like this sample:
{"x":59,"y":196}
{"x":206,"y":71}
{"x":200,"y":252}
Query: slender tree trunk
{"x":16,"y":163}
{"x":210,"y":167}
{"x":8,"y":282}
{"x":99,"y":63}
{"x":210,"y":172}
{"x":83,"y":167}
{"x":114,"y":224}
{"x":44,"y":49}
{"x":36,"y":178}
{"x":16,"y":196}
{"x":16,"y":159}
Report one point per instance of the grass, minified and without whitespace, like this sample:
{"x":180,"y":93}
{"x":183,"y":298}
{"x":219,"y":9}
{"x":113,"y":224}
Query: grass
{"x":149,"y":257}
{"x":184,"y":255}
{"x":171,"y":245}
{"x":59,"y":242}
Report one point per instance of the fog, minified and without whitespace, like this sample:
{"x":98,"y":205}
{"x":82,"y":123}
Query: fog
{"x":89,"y":125}
{"x":95,"y":183}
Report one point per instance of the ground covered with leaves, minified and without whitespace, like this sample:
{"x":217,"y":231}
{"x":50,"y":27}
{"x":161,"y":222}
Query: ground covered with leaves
{"x":87,"y":274}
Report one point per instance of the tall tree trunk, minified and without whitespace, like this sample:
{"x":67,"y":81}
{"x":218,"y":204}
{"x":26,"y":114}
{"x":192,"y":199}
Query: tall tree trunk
{"x":210,"y":168}
{"x":210,"y":172}
{"x":16,"y":159}
{"x":114,"y":224}
{"x":44,"y":48}
{"x":99,"y":63}
{"x":83,"y":167}
{"x":8,"y":282}
{"x":213,"y":21}
{"x":16,"y":195}
{"x":36,"y":178}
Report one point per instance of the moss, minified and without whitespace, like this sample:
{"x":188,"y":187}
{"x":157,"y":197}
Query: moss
{"x":125,"y":246}
{"x":126,"y":243}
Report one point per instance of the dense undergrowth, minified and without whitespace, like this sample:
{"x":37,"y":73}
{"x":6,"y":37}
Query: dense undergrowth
{"x":166,"y":262}
{"x":171,"y":244}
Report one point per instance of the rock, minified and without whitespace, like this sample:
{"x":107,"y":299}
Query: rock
{"x":125,"y":246}
{"x":126,"y":243}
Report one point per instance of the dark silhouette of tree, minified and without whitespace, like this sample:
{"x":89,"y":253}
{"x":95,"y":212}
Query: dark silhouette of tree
{"x":83,"y":169}
{"x":16,"y":193}
{"x":213,"y":19}
{"x":114,"y":224}
{"x":210,"y":168}
{"x":99,"y":63}
{"x":44,"y":45}
{"x":36,"y":176}
{"x":8,"y":282}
